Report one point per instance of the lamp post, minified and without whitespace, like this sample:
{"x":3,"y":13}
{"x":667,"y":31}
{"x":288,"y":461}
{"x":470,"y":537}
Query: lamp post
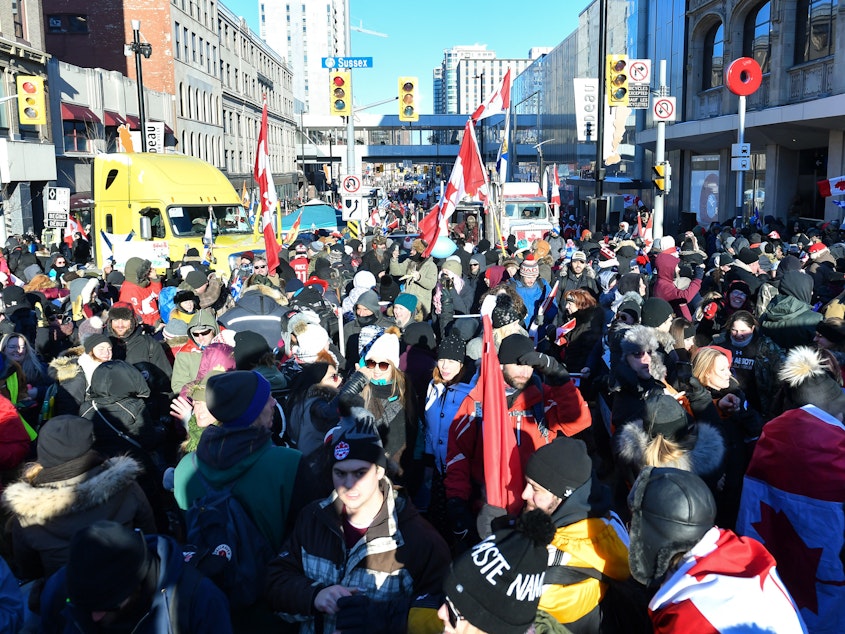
{"x":146,"y":50}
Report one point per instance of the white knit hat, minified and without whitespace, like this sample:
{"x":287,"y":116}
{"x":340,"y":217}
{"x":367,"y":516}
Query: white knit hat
{"x":312,"y":340}
{"x":385,"y":348}
{"x":364,"y":279}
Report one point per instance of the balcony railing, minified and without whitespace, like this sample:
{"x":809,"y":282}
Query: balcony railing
{"x":811,"y":80}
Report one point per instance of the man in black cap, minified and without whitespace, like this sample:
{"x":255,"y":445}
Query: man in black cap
{"x":590,"y":539}
{"x":361,"y":560}
{"x":496,"y":586}
{"x":118,"y":580}
{"x":577,"y":274}
{"x":538,"y":411}
{"x":746,"y":267}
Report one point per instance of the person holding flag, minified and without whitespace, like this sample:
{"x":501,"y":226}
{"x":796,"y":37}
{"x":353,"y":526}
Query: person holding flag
{"x":525,"y":400}
{"x":269,"y":202}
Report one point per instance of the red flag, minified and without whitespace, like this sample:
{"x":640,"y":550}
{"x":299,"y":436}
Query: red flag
{"x":832,"y":186}
{"x":73,"y":227}
{"x":503,"y":477}
{"x":467,"y":179}
{"x":268,"y":194}
{"x":647,"y":234}
{"x":555,"y":187}
{"x":498,"y":103}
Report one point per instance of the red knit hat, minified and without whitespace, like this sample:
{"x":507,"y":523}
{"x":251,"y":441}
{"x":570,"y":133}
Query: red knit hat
{"x":818,"y":247}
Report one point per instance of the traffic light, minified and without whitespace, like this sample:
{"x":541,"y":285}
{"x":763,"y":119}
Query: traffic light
{"x":32,"y":108}
{"x":662,"y":177}
{"x":408,"y":99}
{"x":617,"y":80}
{"x":340,"y":93}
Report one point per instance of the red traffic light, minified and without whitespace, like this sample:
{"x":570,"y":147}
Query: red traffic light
{"x":29,"y":87}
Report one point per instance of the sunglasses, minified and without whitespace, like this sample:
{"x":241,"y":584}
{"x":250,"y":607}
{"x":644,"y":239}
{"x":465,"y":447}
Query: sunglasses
{"x":260,"y":266}
{"x":642,"y":353}
{"x":382,"y":365}
{"x":454,"y":615}
{"x":202,"y":333}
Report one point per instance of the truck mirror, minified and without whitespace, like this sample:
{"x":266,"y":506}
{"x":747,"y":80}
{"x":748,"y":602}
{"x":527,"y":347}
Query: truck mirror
{"x":146,"y":228}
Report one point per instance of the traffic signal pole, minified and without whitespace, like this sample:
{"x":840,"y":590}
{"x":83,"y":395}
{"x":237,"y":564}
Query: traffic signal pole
{"x":660,"y":153}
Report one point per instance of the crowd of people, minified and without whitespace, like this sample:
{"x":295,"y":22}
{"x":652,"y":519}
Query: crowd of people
{"x":306,"y":449}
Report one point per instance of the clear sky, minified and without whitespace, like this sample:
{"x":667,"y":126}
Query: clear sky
{"x":418,"y":33}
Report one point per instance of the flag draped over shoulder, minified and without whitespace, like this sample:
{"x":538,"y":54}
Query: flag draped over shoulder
{"x":467,"y":179}
{"x":267,"y":194}
{"x":502,"y":464}
{"x":832,"y":186}
{"x":498,"y":103}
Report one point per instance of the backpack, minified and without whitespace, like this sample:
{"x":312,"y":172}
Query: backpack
{"x":230,"y":549}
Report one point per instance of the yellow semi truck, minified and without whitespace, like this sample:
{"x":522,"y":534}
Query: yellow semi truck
{"x":157,"y":206}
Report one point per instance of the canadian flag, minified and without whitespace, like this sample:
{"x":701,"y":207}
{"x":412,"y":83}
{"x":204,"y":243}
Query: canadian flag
{"x":832,"y":186}
{"x":555,"y":188}
{"x":73,"y":227}
{"x":467,"y":179}
{"x":267,"y":190}
{"x":498,"y":103}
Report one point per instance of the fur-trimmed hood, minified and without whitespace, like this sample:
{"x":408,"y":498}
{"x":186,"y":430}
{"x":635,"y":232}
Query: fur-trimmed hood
{"x":35,"y":505}
{"x":632,"y":339}
{"x":66,"y":366}
{"x":704,"y":459}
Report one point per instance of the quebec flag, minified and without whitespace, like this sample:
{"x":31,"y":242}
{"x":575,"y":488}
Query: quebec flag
{"x":792,"y":501}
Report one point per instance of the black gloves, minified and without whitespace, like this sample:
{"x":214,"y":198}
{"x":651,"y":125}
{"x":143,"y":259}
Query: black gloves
{"x":461,"y":521}
{"x":358,"y":615}
{"x":554,"y":372}
{"x":446,"y":282}
{"x":699,"y":272}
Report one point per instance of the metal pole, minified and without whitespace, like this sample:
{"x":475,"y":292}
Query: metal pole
{"x":660,"y":153}
{"x":351,"y":167}
{"x":599,"y":170}
{"x":136,"y":41}
{"x":740,"y":176}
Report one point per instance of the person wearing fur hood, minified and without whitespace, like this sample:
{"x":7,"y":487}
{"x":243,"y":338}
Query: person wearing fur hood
{"x":638,"y":370}
{"x":667,"y":436}
{"x":68,"y":487}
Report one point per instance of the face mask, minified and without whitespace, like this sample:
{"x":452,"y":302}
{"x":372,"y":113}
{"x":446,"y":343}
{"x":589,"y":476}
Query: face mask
{"x":741,"y":344}
{"x":369,"y":320}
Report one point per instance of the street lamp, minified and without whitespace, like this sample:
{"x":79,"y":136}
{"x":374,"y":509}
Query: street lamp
{"x":138,"y":49}
{"x":539,"y":148}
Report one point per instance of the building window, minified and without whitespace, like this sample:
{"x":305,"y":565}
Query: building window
{"x":178,"y":46}
{"x":757,"y":40}
{"x":814,"y":29}
{"x":77,"y":23}
{"x":714,"y":52}
{"x":76,"y":136}
{"x":18,"y":17}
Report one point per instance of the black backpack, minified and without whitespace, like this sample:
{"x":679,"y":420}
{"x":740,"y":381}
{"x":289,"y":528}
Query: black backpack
{"x":229,"y":548}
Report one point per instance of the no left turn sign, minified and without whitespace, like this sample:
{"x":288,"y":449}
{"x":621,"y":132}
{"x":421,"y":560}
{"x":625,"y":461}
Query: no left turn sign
{"x":350,"y":184}
{"x":664,"y":109}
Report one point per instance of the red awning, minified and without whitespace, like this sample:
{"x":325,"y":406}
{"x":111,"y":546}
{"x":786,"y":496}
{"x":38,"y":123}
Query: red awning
{"x":133,"y":121}
{"x":167,"y":128}
{"x":113,"y":118}
{"x":72,"y":112}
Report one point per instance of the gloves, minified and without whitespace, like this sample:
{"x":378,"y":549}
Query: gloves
{"x":461,"y":521}
{"x":710,"y":311}
{"x":699,"y":272}
{"x":554,"y":372}
{"x":446,"y":282}
{"x":358,"y":615}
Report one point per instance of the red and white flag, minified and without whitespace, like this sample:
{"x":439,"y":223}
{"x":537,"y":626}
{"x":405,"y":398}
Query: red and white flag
{"x":555,"y":188}
{"x":498,"y":103}
{"x":646,"y":234}
{"x":832,"y":186}
{"x":73,"y":227}
{"x":467,"y":179}
{"x":267,"y":189}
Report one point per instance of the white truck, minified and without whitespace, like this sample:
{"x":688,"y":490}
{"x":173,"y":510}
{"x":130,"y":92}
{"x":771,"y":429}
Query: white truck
{"x":522,"y":211}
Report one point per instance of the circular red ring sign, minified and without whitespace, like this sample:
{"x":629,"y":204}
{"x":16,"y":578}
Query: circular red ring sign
{"x":743,"y":76}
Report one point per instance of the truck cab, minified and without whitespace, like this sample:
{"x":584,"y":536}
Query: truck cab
{"x":524,"y":212}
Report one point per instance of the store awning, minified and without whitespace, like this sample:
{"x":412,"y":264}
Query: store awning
{"x":133,"y":121}
{"x":72,"y":112}
{"x":167,"y":128}
{"x":113,"y":119}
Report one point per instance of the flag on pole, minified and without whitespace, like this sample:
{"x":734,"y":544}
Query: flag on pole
{"x":502,"y":156}
{"x":467,"y":179}
{"x":245,"y":197}
{"x":293,"y":232}
{"x":502,"y":464}
{"x":555,"y":189}
{"x":73,"y":227}
{"x":647,"y":234}
{"x":268,"y":194}
{"x":832,"y":186}
{"x":208,"y":237}
{"x":498,"y":103}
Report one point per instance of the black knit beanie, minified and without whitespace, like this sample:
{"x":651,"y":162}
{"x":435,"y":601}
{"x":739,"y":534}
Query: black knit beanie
{"x":561,"y":466}
{"x":452,"y":347}
{"x":513,"y":347}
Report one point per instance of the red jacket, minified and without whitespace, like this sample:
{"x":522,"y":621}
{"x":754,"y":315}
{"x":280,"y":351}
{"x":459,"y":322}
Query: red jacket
{"x":143,"y":299}
{"x":565,"y":412}
{"x":665,"y":288}
{"x":14,"y":441}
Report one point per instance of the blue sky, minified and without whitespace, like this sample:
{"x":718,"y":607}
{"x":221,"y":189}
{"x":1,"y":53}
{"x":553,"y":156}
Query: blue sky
{"x":418,"y":32}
